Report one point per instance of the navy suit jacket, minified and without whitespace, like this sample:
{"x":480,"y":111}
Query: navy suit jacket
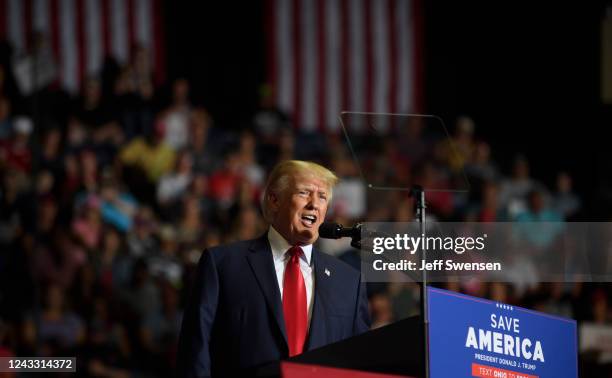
{"x":234,"y":321}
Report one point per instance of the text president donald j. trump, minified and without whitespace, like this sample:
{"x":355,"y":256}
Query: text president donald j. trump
{"x":258,"y":301}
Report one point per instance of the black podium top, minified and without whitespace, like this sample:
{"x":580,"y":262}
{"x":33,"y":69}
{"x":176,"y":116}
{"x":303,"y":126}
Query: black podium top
{"x":392,"y":349}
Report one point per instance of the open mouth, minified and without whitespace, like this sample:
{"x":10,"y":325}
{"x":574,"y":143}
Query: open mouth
{"x":309,"y":220}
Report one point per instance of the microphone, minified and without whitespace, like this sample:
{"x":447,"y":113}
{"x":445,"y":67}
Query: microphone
{"x":330,"y":230}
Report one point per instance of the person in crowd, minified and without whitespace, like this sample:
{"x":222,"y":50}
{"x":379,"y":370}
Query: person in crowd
{"x":480,"y":166}
{"x":199,"y":145}
{"x":150,"y":153}
{"x":141,"y":239}
{"x":117,"y":207}
{"x":173,"y":185}
{"x":165,"y":264}
{"x":176,"y":118}
{"x":87,"y":226}
{"x":15,"y":153}
{"x":514,"y":190}
{"x":565,"y":201}
{"x":60,"y":329}
{"x":96,"y":115}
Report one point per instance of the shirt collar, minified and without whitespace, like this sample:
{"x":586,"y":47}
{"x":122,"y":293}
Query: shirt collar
{"x":280,"y":246}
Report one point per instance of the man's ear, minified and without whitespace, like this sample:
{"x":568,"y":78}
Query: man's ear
{"x":273,"y":201}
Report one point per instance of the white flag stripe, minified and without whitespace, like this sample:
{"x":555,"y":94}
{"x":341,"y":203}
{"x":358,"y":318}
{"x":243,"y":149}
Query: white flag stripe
{"x":357,"y":59}
{"x":309,"y":70}
{"x":93,"y":36}
{"x":411,"y":57}
{"x":357,"y":55}
{"x":405,"y":47}
{"x":40,"y":15}
{"x":381,"y":59}
{"x":381,"y":56}
{"x":144,"y":31}
{"x":15,"y":24}
{"x":284,"y":53}
{"x":333,"y":81}
{"x":69,"y":46}
{"x":119,"y":30}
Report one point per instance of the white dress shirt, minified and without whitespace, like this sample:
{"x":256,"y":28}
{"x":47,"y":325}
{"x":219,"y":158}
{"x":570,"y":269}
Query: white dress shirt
{"x":279,"y":247}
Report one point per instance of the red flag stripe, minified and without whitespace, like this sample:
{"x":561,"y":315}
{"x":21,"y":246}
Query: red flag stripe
{"x":106,"y":28}
{"x":131,"y":21}
{"x":297,"y":63}
{"x":358,"y":58}
{"x":55,"y":37}
{"x":159,"y":43}
{"x":81,"y":35}
{"x":419,"y":71}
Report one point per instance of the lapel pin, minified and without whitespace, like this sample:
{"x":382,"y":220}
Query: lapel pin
{"x":327,"y":272}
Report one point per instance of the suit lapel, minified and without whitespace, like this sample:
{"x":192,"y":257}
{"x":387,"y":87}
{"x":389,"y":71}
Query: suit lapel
{"x":317,"y":335}
{"x":262,"y":264}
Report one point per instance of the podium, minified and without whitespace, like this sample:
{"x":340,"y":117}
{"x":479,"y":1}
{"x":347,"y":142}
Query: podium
{"x":469,"y":337}
{"x":382,"y":350}
{"x":392,"y":349}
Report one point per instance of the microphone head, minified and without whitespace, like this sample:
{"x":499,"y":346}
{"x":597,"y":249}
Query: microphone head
{"x":330,"y":230}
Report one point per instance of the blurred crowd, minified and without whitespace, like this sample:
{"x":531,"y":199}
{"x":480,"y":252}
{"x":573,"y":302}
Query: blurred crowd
{"x":109,"y":197}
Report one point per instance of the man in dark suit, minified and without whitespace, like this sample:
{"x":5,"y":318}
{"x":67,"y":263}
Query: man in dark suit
{"x":262,"y":300}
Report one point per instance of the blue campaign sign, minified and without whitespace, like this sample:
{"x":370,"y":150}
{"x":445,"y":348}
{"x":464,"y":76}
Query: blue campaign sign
{"x":474,"y":337}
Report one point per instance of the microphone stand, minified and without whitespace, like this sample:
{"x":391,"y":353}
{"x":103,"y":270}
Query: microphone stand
{"x":418,"y":193}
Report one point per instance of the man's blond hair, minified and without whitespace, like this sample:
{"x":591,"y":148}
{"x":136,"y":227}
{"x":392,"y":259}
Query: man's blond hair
{"x":279,"y":178}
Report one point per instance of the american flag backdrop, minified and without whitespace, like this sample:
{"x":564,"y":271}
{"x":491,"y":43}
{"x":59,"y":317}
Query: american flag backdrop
{"x":81,"y":33}
{"x":328,"y":56}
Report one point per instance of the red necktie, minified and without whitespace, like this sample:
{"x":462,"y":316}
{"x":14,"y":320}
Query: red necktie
{"x":294,"y":303}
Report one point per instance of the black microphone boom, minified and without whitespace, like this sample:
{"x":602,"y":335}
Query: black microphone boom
{"x":329,"y":230}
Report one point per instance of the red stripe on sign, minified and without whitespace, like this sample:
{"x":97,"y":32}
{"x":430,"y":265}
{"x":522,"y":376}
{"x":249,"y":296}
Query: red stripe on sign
{"x":80,"y":37}
{"x":345,"y":65}
{"x":485,"y":371}
{"x":419,"y":72}
{"x":271,"y":51}
{"x":106,"y":28}
{"x":322,"y":77}
{"x":159,"y":43}
{"x":392,"y":96}
{"x":131,"y":21}
{"x":369,"y":55}
{"x":3,"y":20}
{"x":27,"y":24}
{"x":55,"y":38}
{"x":297,"y":64}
